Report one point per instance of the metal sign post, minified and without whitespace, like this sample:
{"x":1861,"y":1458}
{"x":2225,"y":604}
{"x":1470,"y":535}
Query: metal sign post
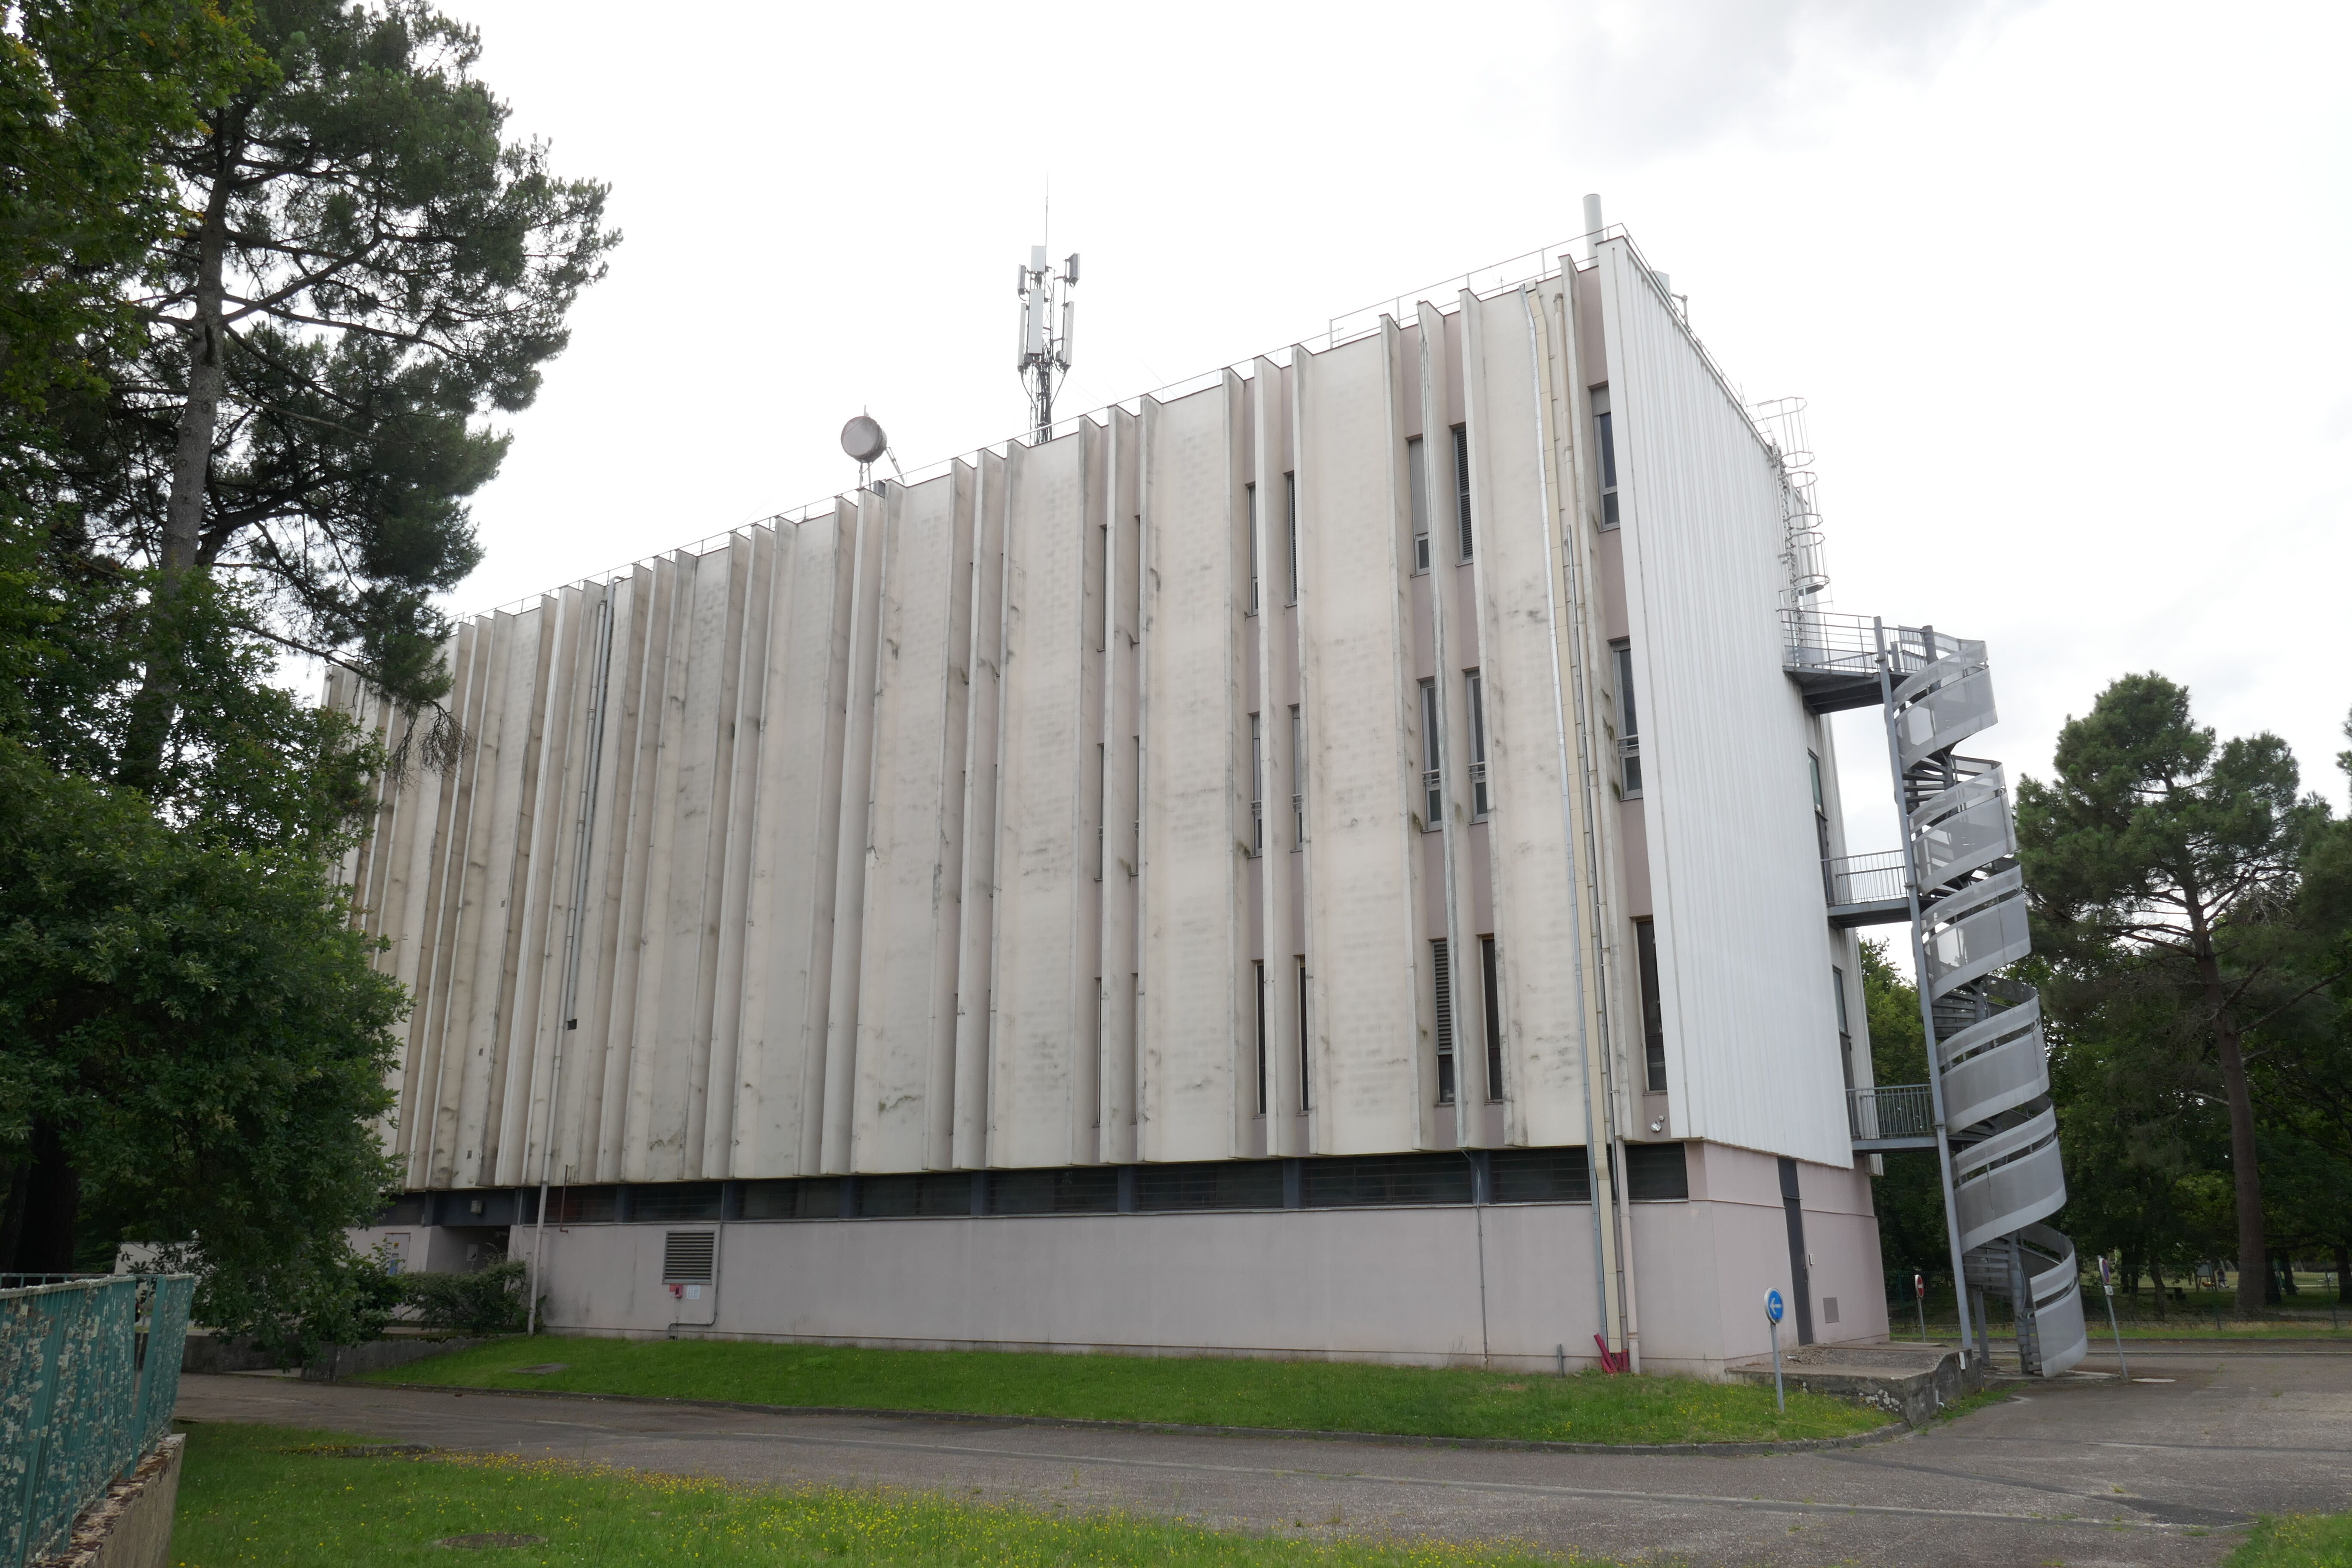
{"x":1772,"y":1309}
{"x":1919,"y":1294}
{"x":2107,"y":1283}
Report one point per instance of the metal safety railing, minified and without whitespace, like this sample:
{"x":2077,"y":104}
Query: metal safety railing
{"x":1891,"y":1111}
{"x":89,"y":1371}
{"x":1864,"y":879}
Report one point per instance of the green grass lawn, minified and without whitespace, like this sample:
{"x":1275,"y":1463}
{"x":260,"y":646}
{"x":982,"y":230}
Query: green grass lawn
{"x":252,"y":1495}
{"x":1330,"y":1396}
{"x":2297,"y":1541}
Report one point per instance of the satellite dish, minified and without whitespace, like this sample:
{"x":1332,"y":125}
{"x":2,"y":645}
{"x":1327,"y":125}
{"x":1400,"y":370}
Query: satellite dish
{"x":862,"y":439}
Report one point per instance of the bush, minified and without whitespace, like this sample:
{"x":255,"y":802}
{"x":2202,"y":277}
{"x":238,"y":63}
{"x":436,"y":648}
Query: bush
{"x":488,"y":1302}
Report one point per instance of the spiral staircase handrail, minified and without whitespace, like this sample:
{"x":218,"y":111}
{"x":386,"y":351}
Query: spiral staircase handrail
{"x":2003,"y":1176}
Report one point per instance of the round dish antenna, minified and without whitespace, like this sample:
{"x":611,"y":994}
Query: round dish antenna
{"x":863,"y":438}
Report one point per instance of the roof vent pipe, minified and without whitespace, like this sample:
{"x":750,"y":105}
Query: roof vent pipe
{"x":1592,"y":225}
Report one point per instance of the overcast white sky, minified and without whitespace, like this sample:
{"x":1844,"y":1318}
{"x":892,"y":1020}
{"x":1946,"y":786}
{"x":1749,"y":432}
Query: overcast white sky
{"x":2066,"y":283}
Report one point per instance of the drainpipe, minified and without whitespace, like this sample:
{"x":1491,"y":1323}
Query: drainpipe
{"x":1601,"y":1133}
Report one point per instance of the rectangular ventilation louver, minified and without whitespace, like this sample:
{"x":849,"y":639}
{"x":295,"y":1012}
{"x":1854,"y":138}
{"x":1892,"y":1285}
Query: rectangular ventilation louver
{"x":689,"y":1257}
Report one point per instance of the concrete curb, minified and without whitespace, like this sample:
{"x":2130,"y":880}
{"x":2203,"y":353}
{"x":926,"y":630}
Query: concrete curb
{"x":1887,"y":1433}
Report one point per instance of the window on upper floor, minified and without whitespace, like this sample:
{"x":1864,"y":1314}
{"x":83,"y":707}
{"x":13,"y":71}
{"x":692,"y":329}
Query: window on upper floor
{"x":1462,"y":485}
{"x":1249,"y":494}
{"x":1820,"y":805}
{"x":1480,"y":803}
{"x":1604,"y":437}
{"x":1654,"y":1009}
{"x":1845,"y":1037}
{"x":1416,"y":478}
{"x":1432,"y":794}
{"x":1260,"y":970}
{"x":1490,"y":980}
{"x":1442,"y":969}
{"x":1629,"y":724}
{"x":1290,"y":488}
{"x":1257,"y":785}
{"x":1297,"y":778}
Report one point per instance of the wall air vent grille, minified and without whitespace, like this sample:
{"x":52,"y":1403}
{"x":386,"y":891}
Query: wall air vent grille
{"x":689,"y":1256}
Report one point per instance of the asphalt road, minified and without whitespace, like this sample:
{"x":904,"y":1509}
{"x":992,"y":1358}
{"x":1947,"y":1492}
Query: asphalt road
{"x":2085,"y":1470}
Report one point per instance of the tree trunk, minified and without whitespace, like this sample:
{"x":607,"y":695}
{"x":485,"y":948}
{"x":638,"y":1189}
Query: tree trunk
{"x":2155,"y":1278}
{"x":184,"y":516}
{"x":44,"y":1203}
{"x":2343,"y":1270}
{"x":2245,"y":1171}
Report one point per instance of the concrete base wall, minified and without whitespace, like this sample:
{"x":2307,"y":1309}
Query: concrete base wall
{"x":1509,"y":1285}
{"x":130,"y":1527}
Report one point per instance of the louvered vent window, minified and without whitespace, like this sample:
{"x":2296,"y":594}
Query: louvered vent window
{"x":689,"y":1256}
{"x":1462,"y":484}
{"x":1444,"y":993}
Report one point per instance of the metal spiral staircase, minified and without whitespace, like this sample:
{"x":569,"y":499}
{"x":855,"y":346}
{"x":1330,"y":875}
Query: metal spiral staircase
{"x":1987,"y":1111}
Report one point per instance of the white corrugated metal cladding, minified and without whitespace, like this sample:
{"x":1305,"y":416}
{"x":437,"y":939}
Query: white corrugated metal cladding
{"x":979,"y":821}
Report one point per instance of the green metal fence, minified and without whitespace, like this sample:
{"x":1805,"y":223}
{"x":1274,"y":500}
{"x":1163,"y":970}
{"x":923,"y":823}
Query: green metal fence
{"x":90,"y":1370}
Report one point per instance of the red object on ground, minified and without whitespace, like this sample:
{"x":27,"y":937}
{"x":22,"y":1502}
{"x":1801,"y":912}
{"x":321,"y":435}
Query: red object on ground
{"x":1611,"y":1361}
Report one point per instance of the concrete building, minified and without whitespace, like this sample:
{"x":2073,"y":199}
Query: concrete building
{"x":1336,"y":860}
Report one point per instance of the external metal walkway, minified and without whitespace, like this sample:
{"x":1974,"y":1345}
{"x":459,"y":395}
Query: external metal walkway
{"x":1987,"y":1110}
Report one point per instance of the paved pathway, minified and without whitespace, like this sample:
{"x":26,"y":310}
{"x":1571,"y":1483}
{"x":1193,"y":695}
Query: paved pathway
{"x":2082,"y":1471}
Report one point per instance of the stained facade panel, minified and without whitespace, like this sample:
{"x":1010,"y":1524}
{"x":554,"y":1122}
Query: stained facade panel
{"x":1370,"y":1042}
{"x":1192,"y":1029}
{"x":918,"y":833}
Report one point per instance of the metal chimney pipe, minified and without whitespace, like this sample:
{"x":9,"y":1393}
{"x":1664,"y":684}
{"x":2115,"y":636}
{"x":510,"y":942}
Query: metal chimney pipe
{"x":1592,"y":225}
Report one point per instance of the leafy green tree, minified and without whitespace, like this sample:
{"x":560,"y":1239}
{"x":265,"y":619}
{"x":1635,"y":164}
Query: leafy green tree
{"x":86,"y":90}
{"x":366,"y":272}
{"x":193,"y":1025}
{"x":2139,"y":1124}
{"x":192,"y":1039}
{"x":1909,"y":1197}
{"x":2181,"y":858}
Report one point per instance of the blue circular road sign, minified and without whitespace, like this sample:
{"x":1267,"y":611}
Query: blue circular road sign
{"x":1772,"y":1308}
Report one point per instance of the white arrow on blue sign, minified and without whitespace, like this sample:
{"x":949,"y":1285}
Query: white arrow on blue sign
{"x":1772,"y":1308}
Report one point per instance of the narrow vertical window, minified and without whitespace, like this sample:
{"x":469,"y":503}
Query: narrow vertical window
{"x":1257,"y":785}
{"x":1491,"y":979}
{"x":1654,"y":1011}
{"x":1110,"y":601}
{"x":1250,"y":493}
{"x":1480,"y":804}
{"x":1416,"y":479}
{"x":1304,"y":1074}
{"x":1260,"y":970}
{"x":1102,"y":803}
{"x":1443,"y":992}
{"x":1432,"y":807}
{"x":1846,"y":1039}
{"x":1298,"y":777}
{"x":1605,"y":437}
{"x":1290,"y":485}
{"x":1820,"y":814}
{"x":1629,"y":724}
{"x":1462,"y":484}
